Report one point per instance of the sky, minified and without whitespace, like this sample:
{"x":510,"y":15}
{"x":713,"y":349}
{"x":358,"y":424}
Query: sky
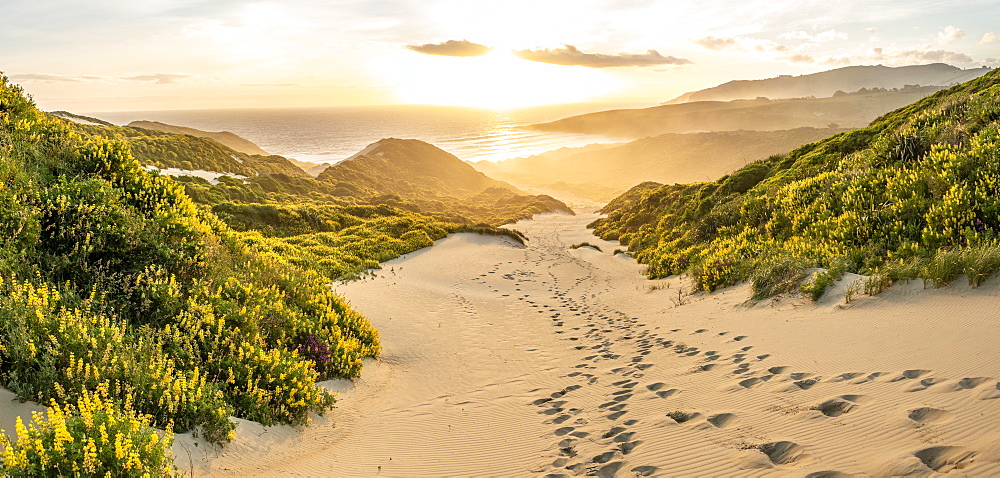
{"x":128,"y":55}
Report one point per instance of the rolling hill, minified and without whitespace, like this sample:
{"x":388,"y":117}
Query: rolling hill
{"x":230,"y":140}
{"x":600,"y":172}
{"x":843,"y":111}
{"x":826,"y":83}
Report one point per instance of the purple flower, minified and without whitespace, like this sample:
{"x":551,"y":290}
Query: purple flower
{"x":314,"y":349}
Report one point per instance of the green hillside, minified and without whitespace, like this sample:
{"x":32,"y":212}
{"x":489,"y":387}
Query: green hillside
{"x":222,"y":137}
{"x":184,"y":151}
{"x":124,"y":305}
{"x":915,"y":194}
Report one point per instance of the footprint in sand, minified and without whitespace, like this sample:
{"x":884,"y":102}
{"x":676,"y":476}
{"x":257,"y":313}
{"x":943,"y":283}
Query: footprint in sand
{"x":784,"y":452}
{"x":923,"y":385}
{"x":806,"y":384}
{"x":846,"y":376}
{"x":751,"y":382}
{"x":723,"y":420}
{"x":930,"y":415}
{"x":943,"y":459}
{"x":911,"y":374}
{"x":838,"y":406}
{"x":667,"y":393}
{"x":627,"y":447}
{"x":610,"y":470}
{"x":614,"y":431}
{"x":616,"y":415}
{"x":972,"y":382}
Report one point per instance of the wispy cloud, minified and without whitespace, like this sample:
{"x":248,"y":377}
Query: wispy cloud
{"x":917,"y":56}
{"x":990,"y":38}
{"x":740,"y":43}
{"x":821,"y":37}
{"x":451,"y":48}
{"x":43,"y":77}
{"x":950,"y":34}
{"x":158,"y":78}
{"x":569,"y":55}
{"x":800,"y":58}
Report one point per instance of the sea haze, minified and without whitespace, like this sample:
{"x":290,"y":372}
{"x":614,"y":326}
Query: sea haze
{"x":333,"y":134}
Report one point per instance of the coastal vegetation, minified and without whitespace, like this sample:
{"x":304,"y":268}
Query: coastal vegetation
{"x":124,"y":305}
{"x":585,"y":244}
{"x":913,"y":195}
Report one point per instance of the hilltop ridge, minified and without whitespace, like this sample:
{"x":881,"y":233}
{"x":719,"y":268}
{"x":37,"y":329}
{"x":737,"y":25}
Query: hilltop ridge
{"x":405,"y":166}
{"x":826,"y":83}
{"x":230,"y":140}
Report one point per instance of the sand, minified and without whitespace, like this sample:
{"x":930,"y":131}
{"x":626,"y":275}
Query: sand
{"x":502,"y":360}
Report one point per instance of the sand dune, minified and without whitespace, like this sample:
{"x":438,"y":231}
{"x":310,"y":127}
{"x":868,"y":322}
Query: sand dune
{"x":503,"y":360}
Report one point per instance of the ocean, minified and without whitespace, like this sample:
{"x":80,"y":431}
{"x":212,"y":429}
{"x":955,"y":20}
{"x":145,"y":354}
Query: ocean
{"x":333,"y":134}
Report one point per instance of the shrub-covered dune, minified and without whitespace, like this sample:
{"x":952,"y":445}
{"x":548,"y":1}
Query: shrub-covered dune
{"x":915,"y":194}
{"x":125,"y":306}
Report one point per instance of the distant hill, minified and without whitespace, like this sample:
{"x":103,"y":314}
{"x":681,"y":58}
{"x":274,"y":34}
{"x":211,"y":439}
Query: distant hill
{"x":826,"y":83}
{"x":426,"y":175}
{"x":667,"y":158}
{"x":225,"y":137}
{"x":231,"y":140}
{"x":408,"y":166}
{"x":79,"y":119}
{"x":843,"y":111}
{"x":153,"y":147}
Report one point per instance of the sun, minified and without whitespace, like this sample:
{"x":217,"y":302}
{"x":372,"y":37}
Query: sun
{"x":497,"y":80}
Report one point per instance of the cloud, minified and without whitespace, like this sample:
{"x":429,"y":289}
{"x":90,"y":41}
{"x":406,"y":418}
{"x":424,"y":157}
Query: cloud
{"x":800,"y":58}
{"x":569,"y":55}
{"x":715,"y":43}
{"x":269,"y":84}
{"x":950,"y":34}
{"x":159,"y":78}
{"x":451,"y":48}
{"x":918,"y":56}
{"x":821,"y":37}
{"x":43,"y":77}
{"x":873,"y":35}
{"x":990,"y":38}
{"x":744,"y":44}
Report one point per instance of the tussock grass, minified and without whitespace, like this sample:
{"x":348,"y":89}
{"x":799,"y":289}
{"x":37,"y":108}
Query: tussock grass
{"x":585,"y":244}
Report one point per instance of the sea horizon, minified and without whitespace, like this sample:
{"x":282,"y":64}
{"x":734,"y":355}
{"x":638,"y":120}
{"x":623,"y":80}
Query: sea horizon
{"x":332,"y":134}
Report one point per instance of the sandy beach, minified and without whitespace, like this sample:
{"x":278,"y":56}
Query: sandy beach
{"x":503,"y":360}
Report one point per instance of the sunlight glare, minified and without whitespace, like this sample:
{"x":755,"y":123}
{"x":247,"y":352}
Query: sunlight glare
{"x":497,"y":80}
